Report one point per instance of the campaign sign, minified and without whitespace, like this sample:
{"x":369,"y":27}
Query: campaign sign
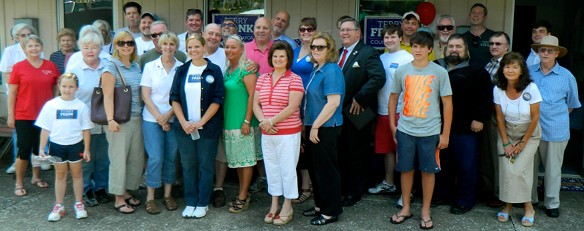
{"x":66,"y":114}
{"x":244,"y":22}
{"x":373,"y":27}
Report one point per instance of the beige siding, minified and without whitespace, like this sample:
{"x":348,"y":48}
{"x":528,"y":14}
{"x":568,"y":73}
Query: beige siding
{"x":170,"y":11}
{"x":43,"y":10}
{"x":500,"y":15}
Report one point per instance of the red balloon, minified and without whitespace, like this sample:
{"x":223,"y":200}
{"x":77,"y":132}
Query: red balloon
{"x":427,"y":12}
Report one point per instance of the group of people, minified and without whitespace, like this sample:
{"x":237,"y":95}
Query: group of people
{"x":205,"y":100}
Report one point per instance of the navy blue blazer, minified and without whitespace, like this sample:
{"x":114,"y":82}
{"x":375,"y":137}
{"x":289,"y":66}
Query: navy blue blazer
{"x":211,"y":92}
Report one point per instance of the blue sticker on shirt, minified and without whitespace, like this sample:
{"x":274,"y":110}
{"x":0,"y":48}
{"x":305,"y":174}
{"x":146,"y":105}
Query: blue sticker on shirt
{"x":394,"y":65}
{"x":194,"y":78}
{"x":66,"y":114}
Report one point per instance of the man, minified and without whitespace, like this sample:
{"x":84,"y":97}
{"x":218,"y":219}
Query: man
{"x":194,"y":23}
{"x":280,"y":23}
{"x":445,"y":27}
{"x":228,"y":27}
{"x":156,"y":29}
{"x":560,"y":95}
{"x":499,"y":44}
{"x":539,"y":29}
{"x":257,"y":49}
{"x":132,"y":11}
{"x":144,"y":42}
{"x":364,"y":77}
{"x":472,"y":91}
{"x":420,"y":132}
{"x":214,"y":53}
{"x":478,"y":36}
{"x":410,"y":25}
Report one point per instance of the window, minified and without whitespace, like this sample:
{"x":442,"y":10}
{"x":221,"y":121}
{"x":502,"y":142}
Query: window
{"x":82,"y":12}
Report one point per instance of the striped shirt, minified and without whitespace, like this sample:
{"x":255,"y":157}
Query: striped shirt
{"x":274,"y":99}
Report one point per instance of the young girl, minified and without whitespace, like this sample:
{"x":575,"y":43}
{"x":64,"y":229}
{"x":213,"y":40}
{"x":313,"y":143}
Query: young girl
{"x":66,"y":121}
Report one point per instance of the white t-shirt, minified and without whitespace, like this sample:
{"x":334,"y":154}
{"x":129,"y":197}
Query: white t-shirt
{"x":391,"y":61}
{"x":182,"y":42}
{"x":155,"y":77}
{"x":517,"y":110}
{"x":65,"y":120}
{"x":77,"y":58}
{"x":193,"y":91}
{"x":136,"y":35}
{"x":218,"y":58}
{"x":12,"y":55}
{"x":143,"y":46}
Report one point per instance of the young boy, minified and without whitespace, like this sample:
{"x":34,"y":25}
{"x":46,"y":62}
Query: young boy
{"x":418,"y":134}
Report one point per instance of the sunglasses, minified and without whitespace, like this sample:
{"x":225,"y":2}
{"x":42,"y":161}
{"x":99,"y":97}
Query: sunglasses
{"x":305,"y":29}
{"x":318,"y":48}
{"x":495,"y":44}
{"x":448,"y":27}
{"x":548,"y":50}
{"x":155,"y":35}
{"x":228,"y":24}
{"x":128,"y":43}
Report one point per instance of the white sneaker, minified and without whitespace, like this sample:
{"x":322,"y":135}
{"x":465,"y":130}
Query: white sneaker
{"x":80,"y":212}
{"x":188,"y":212}
{"x":382,"y":187}
{"x":200,"y":212}
{"x":57,"y":213}
{"x":46,"y":167}
{"x":400,"y":204}
{"x":11,"y":169}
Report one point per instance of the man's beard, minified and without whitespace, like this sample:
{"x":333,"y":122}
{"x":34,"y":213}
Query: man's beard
{"x":455,"y":59}
{"x":443,"y":38}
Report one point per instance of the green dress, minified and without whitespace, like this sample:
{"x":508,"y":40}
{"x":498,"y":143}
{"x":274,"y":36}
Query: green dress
{"x":240,"y":150}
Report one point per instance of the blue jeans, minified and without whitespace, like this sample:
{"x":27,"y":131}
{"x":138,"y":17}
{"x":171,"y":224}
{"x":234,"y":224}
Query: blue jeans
{"x":96,"y":171}
{"x":161,"y":148}
{"x":198,"y":164}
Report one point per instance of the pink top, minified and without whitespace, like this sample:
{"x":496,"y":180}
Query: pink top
{"x":274,"y":99}
{"x":258,"y":56}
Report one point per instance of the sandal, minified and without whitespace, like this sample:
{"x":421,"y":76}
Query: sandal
{"x":152,"y":208}
{"x":397,"y":217}
{"x":19,"y":191}
{"x":120,"y":207}
{"x":135,"y":201}
{"x":269,"y":218}
{"x":238,"y":206}
{"x":502,"y":216}
{"x":424,"y":224}
{"x":282,"y":220}
{"x":40,"y":183}
{"x":170,"y":204}
{"x":304,"y":196}
{"x":527,"y":221}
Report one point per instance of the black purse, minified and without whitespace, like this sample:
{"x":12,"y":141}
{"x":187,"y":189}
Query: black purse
{"x":122,"y":103}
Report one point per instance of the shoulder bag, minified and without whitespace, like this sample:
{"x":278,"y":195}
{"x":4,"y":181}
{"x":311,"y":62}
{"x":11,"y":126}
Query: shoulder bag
{"x":122,"y":103}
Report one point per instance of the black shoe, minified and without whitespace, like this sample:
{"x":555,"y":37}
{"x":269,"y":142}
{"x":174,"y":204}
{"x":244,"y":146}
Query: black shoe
{"x":320,"y":220}
{"x":89,"y":199}
{"x":552,"y":212}
{"x":218,"y":198}
{"x":102,"y":196}
{"x":459,"y":209}
{"x":311,"y":212}
{"x":495,"y":203}
{"x":350,"y":200}
{"x":436,"y":203}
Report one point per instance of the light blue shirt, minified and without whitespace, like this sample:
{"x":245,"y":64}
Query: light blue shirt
{"x":290,"y":41}
{"x":559,"y":93}
{"x":328,"y":80}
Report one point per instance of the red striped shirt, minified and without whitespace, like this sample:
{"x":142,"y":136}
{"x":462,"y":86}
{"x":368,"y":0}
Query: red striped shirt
{"x":274,"y":99}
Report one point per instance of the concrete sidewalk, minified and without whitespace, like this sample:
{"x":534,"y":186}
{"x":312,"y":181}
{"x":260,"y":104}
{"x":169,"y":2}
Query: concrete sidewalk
{"x":372,"y":213}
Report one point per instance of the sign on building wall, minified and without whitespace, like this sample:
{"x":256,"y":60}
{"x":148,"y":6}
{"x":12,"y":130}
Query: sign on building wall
{"x":373,"y":27}
{"x":245,"y":23}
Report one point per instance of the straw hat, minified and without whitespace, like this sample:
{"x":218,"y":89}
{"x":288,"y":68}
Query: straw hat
{"x":550,"y":41}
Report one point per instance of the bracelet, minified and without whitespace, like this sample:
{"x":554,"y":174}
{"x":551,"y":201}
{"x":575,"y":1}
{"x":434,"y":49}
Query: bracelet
{"x":507,"y":144}
{"x":246,"y":121}
{"x":271,"y":123}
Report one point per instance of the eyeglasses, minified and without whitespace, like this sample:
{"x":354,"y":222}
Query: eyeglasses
{"x":548,"y":50}
{"x":495,"y":44}
{"x":128,"y":43}
{"x":23,"y":35}
{"x":228,"y":24}
{"x":155,"y":35}
{"x":305,"y":29}
{"x":447,"y":27}
{"x":346,"y":30}
{"x":317,"y":47}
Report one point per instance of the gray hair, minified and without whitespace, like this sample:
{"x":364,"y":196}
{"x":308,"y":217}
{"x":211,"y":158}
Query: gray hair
{"x":212,"y":25}
{"x":159,"y":22}
{"x":447,"y":17}
{"x":88,"y":36}
{"x":21,"y":26}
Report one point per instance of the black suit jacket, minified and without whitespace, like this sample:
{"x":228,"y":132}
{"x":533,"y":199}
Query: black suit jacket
{"x":364,"y":76}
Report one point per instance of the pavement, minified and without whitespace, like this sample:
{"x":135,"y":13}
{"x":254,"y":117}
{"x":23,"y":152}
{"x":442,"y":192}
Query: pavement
{"x":372,"y":213}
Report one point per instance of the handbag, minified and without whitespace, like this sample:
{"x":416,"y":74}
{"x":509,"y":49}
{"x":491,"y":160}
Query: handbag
{"x":122,"y":103}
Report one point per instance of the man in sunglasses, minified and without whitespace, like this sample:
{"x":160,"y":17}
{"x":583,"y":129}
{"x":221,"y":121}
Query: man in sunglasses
{"x":539,"y":29}
{"x":445,"y":27}
{"x":228,"y":27}
{"x":559,"y":94}
{"x":194,"y":23}
{"x":157,"y":28}
{"x":478,"y":36}
{"x":280,"y":23}
{"x":144,"y":42}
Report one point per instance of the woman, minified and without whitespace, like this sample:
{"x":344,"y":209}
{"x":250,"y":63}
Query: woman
{"x":241,"y":132}
{"x":323,"y":120}
{"x":302,"y":66}
{"x":196,"y":96}
{"x":276,"y":104}
{"x":88,"y":70}
{"x":160,"y":142}
{"x":66,"y":39}
{"x":106,"y":31}
{"x":516,"y":100}
{"x":126,"y":145}
{"x":32,"y":83}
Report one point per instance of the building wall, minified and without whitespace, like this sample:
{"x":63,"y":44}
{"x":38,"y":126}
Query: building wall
{"x":170,"y":11}
{"x":43,"y":10}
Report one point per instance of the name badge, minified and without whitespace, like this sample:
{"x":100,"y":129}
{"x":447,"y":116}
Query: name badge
{"x":196,"y":78}
{"x":393,"y":65}
{"x":66,"y":114}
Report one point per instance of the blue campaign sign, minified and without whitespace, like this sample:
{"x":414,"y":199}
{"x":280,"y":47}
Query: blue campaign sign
{"x":373,"y":27}
{"x":244,"y":22}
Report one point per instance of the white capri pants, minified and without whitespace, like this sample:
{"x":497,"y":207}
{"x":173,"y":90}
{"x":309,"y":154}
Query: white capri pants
{"x":281,"y":154}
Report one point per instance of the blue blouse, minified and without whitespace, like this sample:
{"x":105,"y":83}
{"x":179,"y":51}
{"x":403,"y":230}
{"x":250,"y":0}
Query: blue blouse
{"x":328,"y":80}
{"x":302,"y":67}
